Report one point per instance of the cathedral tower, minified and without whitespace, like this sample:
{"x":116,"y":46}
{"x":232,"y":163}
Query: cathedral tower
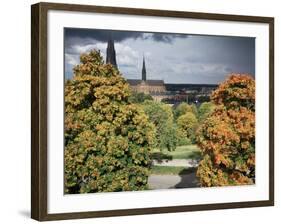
{"x":143,"y":72}
{"x":110,"y":53}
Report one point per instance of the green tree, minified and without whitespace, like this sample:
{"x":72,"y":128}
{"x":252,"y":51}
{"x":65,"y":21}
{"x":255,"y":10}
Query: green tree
{"x":205,"y":110}
{"x":161,"y":116}
{"x":187,"y":124}
{"x":194,"y":109}
{"x":183,"y":108}
{"x":107,"y":139}
{"x":227,"y":136}
{"x":137,"y":97}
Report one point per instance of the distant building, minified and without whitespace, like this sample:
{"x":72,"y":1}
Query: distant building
{"x":158,"y":89}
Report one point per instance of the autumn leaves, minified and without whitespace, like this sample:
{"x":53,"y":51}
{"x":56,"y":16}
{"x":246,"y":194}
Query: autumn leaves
{"x":227,"y":136}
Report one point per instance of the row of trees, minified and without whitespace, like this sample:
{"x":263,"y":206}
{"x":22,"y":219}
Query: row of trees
{"x":175,"y":126}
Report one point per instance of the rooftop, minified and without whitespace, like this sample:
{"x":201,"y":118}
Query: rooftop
{"x":152,"y":82}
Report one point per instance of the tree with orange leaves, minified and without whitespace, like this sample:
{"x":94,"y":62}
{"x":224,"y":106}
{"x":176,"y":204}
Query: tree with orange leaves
{"x":107,"y":138}
{"x":227,"y":137}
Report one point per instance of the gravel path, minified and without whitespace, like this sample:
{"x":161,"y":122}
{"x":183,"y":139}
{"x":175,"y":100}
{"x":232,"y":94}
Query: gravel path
{"x":172,"y":181}
{"x":188,"y":163}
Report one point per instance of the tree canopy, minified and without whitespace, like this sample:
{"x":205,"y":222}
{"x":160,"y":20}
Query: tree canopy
{"x":183,"y":108}
{"x":227,"y":136}
{"x":161,"y":116}
{"x":204,"y":110}
{"x":137,"y":97}
{"x":107,"y":138}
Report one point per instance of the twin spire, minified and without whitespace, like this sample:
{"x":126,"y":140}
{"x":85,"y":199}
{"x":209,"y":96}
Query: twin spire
{"x":110,"y":53}
{"x":143,"y":71}
{"x":111,"y":58}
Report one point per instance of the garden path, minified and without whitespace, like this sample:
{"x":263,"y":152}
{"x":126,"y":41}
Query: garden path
{"x":167,"y":181}
{"x":188,"y":163}
{"x":172,"y":181}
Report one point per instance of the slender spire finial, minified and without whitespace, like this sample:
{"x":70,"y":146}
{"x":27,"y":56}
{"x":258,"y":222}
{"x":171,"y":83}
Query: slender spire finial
{"x":143,"y":72}
{"x":110,"y":52}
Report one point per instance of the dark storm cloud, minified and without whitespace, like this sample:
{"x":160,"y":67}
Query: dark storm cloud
{"x":224,"y":49}
{"x":118,"y":36}
{"x":101,"y":35}
{"x":235,"y":52}
{"x":163,"y":37}
{"x":174,"y":58}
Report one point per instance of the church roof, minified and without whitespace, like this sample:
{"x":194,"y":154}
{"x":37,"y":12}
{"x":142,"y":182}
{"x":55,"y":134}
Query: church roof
{"x":152,"y":82}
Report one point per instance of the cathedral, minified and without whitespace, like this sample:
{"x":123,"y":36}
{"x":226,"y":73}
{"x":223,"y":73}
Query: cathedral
{"x":156,"y":88}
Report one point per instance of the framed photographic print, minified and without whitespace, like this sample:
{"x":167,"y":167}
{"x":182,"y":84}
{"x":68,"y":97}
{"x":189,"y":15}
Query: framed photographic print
{"x":139,"y":111}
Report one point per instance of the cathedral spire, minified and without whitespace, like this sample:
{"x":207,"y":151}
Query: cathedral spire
{"x":143,"y":72}
{"x":110,"y":53}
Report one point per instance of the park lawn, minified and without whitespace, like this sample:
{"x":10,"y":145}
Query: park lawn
{"x":171,"y":170}
{"x":182,"y":152}
{"x":186,"y":152}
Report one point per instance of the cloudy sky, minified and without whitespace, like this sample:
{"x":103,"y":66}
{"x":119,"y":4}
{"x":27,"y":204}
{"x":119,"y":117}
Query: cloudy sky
{"x":174,"y":58}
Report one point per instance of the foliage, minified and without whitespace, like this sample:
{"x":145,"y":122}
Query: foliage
{"x":187,"y":124}
{"x":181,"y":152}
{"x":171,"y":170}
{"x":183,"y":108}
{"x":161,"y":116}
{"x":137,"y":97}
{"x":182,"y":139}
{"x":237,"y":91}
{"x":227,"y":136}
{"x":194,"y":109}
{"x":194,"y":98}
{"x":204,"y":110}
{"x":107,"y":139}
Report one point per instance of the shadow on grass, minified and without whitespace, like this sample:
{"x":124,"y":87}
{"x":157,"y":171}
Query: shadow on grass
{"x":160,"y":157}
{"x":196,"y":155}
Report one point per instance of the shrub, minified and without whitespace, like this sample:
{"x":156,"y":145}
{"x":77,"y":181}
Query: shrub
{"x":107,"y":139}
{"x":227,"y":136}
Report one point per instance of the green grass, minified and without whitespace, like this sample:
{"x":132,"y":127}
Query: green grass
{"x":171,"y":170}
{"x":181,"y":152}
{"x":185,"y":152}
